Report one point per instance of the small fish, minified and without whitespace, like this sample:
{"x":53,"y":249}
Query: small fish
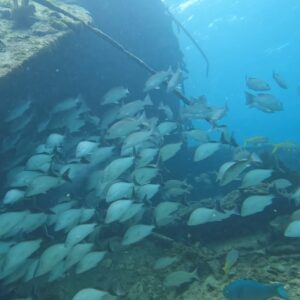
{"x":85,"y":149}
{"x":256,"y":140}
{"x":156,"y":80}
{"x":168,"y":151}
{"x":174,"y":80}
{"x":264,"y":102}
{"x":164,"y":262}
{"x":114,"y":95}
{"x":256,"y":84}
{"x":286,"y":145}
{"x":242,"y":289}
{"x":197,"y":134}
{"x":230,"y":260}
{"x":130,"y":109}
{"x":18,"y":111}
{"x":67,"y":105}
{"x":293,"y":229}
{"x":206,"y":150}
{"x":255,"y":204}
{"x":135,"y":233}
{"x":178,"y":278}
{"x":279,"y":80}
{"x":92,"y":294}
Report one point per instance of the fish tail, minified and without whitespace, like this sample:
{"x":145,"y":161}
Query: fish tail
{"x":281,"y":292}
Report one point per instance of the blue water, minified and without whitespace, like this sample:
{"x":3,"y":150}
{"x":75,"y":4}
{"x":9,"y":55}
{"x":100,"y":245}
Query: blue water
{"x":244,"y":38}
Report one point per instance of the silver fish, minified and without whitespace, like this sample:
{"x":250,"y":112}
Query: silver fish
{"x":174,"y":80}
{"x":256,"y":84}
{"x":156,"y":80}
{"x":264,"y":102}
{"x":279,"y":80}
{"x":114,"y":95}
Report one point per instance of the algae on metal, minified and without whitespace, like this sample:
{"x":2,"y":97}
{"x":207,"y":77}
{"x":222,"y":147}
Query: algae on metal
{"x":19,"y":44}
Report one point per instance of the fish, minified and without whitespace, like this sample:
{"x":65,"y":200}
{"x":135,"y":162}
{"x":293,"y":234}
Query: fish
{"x":132,"y":108}
{"x":89,"y":261}
{"x":279,"y":80}
{"x":146,"y":156}
{"x":18,"y":254}
{"x":198,"y":135}
{"x":163,"y":212}
{"x":256,"y":140}
{"x":93,"y":294}
{"x":285,"y":145}
{"x":136,"y":233}
{"x":50,"y":258}
{"x":232,"y":170}
{"x":264,"y":102}
{"x":78,"y":233}
{"x":122,"y":128}
{"x":147,"y":191}
{"x":77,"y":253}
{"x":178,"y":278}
{"x":256,"y":84}
{"x":293,"y":229}
{"x":85,"y":148}
{"x":116,"y":168}
{"x":18,"y":111}
{"x":164,"y":262}
{"x":66,"y":105}
{"x":42,"y":184}
{"x":246,"y":289}
{"x":174,"y":81}
{"x":156,"y":80}
{"x":203,"y":215}
{"x":230,"y":260}
{"x":255,"y":203}
{"x":166,"y":128}
{"x":119,"y":190}
{"x":256,"y":176}
{"x":206,"y":150}
{"x":115,"y":95}
{"x":136,"y":138}
{"x":13,"y":196}
{"x":199,"y":109}
{"x":39,"y":162}
{"x":135,"y":209}
{"x":144,"y":175}
{"x":68,"y":219}
{"x":116,"y":210}
{"x":168,"y":151}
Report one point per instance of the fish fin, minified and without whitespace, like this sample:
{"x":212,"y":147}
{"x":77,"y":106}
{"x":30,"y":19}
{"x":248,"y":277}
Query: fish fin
{"x":65,"y":176}
{"x":195,"y":274}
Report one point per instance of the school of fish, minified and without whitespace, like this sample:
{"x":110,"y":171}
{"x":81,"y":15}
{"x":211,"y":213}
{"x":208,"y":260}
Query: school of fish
{"x":71,"y":172}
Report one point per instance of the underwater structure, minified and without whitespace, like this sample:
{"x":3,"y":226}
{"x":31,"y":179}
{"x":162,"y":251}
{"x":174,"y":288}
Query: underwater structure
{"x":43,"y":59}
{"x":111,"y":189}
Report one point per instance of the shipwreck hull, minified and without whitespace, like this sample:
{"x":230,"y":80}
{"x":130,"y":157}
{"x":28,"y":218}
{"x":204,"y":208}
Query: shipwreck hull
{"x":71,"y":60}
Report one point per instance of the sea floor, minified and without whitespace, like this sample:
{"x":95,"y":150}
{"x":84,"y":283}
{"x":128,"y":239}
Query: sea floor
{"x":129,"y":271}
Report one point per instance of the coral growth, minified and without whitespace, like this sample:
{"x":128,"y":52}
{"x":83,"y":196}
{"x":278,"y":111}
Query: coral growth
{"x":23,"y":13}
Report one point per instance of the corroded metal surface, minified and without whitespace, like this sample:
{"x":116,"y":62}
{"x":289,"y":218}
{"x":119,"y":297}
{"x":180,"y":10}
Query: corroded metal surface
{"x":18,"y":45}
